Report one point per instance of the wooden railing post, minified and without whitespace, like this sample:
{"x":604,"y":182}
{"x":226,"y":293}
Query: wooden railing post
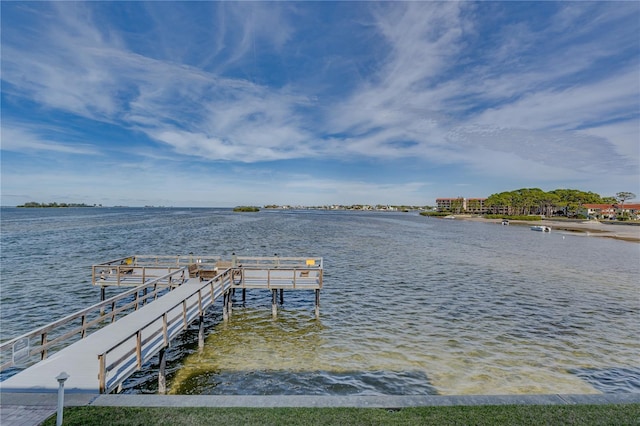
{"x":184,"y":314}
{"x":165,"y":329}
{"x":43,"y":342}
{"x":139,"y":349}
{"x":102,"y":380}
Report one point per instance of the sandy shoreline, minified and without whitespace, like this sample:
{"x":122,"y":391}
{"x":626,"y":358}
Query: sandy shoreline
{"x":620,"y":231}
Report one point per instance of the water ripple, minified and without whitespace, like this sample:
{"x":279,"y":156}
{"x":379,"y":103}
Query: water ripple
{"x":411,"y":305}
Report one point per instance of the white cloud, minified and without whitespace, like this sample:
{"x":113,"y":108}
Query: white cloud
{"x":571,"y":108}
{"x":17,"y":139}
{"x":625,"y":138}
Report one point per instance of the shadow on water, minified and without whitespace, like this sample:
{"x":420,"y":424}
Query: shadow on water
{"x":611,"y":380}
{"x":269,"y":382}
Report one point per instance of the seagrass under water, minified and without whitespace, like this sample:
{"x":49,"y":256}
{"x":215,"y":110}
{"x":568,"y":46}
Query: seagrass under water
{"x":410,"y":305}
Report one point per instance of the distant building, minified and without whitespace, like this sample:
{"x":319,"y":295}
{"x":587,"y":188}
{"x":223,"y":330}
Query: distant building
{"x":449,"y":204}
{"x":461,"y":205}
{"x":476,"y":205}
{"x":598,"y":211}
{"x":610,"y":211}
{"x":632,"y":209}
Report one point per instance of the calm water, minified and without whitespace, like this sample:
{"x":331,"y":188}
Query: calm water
{"x":411,"y":305}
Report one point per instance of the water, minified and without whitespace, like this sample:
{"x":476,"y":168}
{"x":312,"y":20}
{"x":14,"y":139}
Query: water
{"x":410,"y":305}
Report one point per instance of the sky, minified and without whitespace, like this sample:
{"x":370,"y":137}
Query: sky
{"x":219,"y":104}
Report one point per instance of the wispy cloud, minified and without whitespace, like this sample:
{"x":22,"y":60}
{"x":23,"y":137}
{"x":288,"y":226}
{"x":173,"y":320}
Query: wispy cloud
{"x":21,"y":140}
{"x":473,"y":88}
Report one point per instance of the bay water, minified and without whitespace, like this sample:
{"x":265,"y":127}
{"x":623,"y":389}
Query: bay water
{"x":410,"y":304}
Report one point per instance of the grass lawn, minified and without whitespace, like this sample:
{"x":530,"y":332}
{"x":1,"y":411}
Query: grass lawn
{"x":613,"y":414}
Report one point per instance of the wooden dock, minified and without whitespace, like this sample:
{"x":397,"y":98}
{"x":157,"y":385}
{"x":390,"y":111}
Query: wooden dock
{"x":101,"y":346}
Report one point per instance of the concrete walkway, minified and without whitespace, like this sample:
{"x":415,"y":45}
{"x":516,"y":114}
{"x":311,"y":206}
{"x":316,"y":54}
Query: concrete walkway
{"x":378,"y":401}
{"x":31,"y":409}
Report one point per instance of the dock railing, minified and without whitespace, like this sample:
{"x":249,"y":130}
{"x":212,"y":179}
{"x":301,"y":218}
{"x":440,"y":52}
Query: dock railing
{"x":277,"y":272}
{"x":131,"y":352}
{"x":38,"y":344}
{"x":135,"y":270}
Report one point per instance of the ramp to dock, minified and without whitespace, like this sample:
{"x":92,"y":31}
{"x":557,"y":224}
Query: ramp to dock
{"x":102,"y":360}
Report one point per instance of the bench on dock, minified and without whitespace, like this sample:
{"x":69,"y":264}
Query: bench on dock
{"x":194,"y":270}
{"x":207,"y":274}
{"x":126,"y":266}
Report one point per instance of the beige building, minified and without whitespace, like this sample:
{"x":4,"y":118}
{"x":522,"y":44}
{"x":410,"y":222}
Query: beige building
{"x":461,"y":205}
{"x":610,"y":211}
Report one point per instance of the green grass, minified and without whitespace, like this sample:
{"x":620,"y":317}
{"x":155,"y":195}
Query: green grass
{"x":611,"y":414}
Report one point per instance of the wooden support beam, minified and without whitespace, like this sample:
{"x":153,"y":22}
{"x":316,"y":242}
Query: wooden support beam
{"x":317,"y":303}
{"x":274,"y":305}
{"x":103,"y":296}
{"x":282,"y":296}
{"x":201,"y":332}
{"x":162,"y":378}
{"x":225,"y":313}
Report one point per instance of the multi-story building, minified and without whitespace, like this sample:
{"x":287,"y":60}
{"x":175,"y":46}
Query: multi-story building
{"x":460,"y":205}
{"x":610,"y":211}
{"x":476,"y":205}
{"x":600,"y":211}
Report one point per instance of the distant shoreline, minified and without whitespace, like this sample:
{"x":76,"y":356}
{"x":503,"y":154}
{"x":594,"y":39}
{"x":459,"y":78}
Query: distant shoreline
{"x":616,"y":230}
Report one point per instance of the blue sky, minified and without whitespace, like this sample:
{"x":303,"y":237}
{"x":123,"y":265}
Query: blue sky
{"x":233,"y":103}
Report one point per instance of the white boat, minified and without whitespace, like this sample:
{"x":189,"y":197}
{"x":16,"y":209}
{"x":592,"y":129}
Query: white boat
{"x":505,"y":222}
{"x":450,"y":217}
{"x":541,"y":228}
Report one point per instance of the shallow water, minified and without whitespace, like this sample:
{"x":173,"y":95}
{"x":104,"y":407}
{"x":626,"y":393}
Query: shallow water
{"x":410,"y":305}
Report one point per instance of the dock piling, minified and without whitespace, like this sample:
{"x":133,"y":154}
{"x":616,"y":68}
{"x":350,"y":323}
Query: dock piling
{"x":162,"y":378}
{"x":201,"y":332}
{"x":225,"y":312}
{"x":103,"y":295}
{"x":274,"y":305}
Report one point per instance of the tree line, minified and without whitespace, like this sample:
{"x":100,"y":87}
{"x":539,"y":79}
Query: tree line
{"x":534,"y":201}
{"x":33,"y":204}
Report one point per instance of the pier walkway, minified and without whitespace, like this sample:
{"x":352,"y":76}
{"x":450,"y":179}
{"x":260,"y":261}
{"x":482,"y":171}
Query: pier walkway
{"x":167,"y":295}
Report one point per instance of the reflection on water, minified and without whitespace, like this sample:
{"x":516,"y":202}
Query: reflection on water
{"x":411,"y":305}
